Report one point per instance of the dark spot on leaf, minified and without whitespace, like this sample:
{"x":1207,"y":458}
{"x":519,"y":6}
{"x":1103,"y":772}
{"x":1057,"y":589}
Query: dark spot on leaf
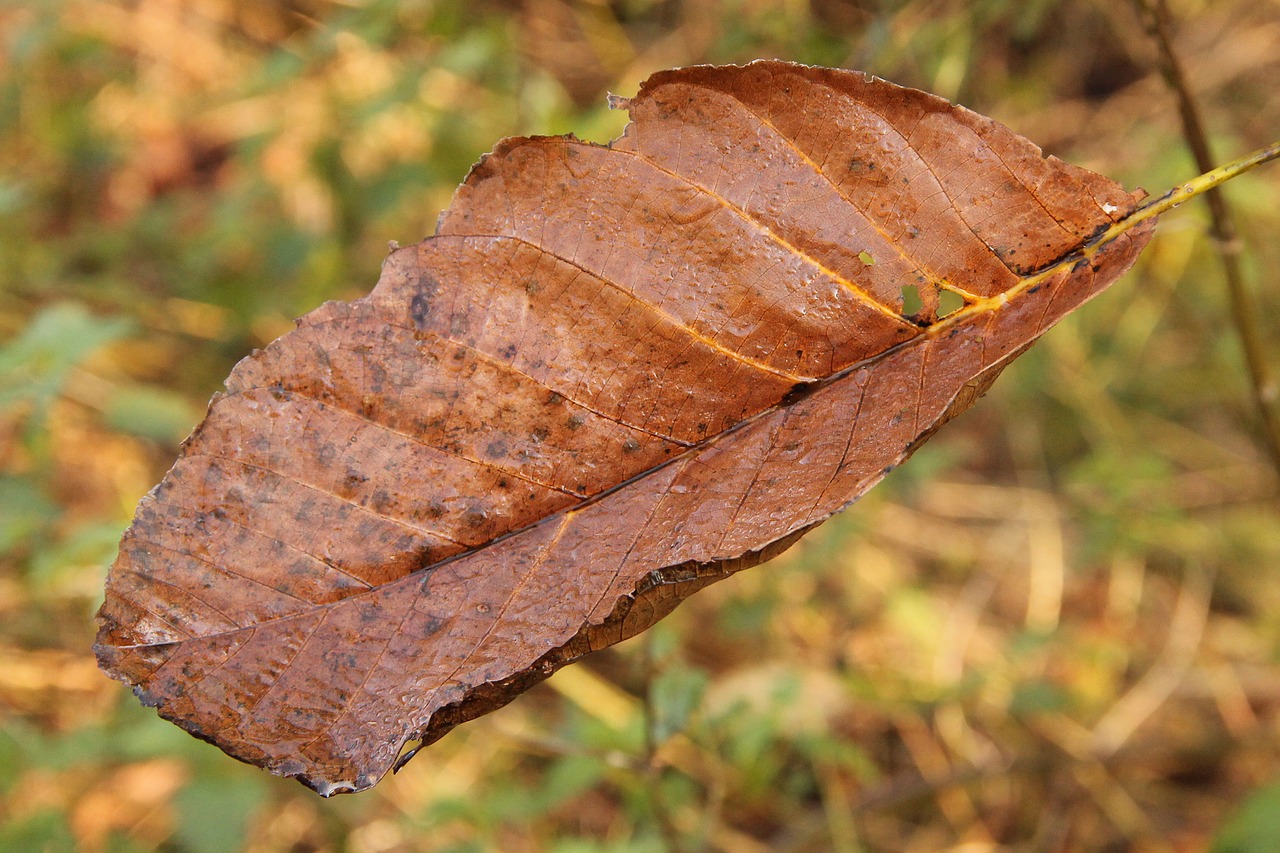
{"x":420,"y":310}
{"x":796,"y":393}
{"x":375,"y":376}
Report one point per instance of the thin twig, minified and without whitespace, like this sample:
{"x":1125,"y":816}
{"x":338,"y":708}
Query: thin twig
{"x":1244,"y":312}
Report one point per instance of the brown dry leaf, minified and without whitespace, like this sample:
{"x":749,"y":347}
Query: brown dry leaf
{"x":616,"y":375}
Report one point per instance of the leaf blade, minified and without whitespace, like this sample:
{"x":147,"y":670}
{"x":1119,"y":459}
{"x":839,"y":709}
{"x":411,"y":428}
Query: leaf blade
{"x":552,"y":422}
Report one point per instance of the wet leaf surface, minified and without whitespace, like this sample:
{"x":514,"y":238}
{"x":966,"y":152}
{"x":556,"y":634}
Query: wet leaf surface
{"x":614,"y":376}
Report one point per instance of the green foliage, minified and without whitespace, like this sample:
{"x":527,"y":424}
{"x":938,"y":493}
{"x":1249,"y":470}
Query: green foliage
{"x":34,"y":366}
{"x":154,"y":413}
{"x":43,"y":832}
{"x":926,"y":671}
{"x":24,"y":512}
{"x":1255,"y":825}
{"x":213,"y":815}
{"x":676,"y":694}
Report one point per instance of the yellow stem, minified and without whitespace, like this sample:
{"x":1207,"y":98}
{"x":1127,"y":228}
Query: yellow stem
{"x":1192,"y":188}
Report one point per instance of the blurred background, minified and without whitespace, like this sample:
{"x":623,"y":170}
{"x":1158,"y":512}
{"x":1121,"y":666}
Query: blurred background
{"x":1057,"y":628}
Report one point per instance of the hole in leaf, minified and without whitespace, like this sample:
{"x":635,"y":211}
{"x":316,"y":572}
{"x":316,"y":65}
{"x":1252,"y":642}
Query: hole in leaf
{"x":866,"y":258}
{"x":911,"y":302}
{"x":949,"y":302}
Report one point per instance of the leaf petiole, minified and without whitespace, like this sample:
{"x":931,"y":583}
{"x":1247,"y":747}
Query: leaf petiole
{"x":1194,"y":187}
